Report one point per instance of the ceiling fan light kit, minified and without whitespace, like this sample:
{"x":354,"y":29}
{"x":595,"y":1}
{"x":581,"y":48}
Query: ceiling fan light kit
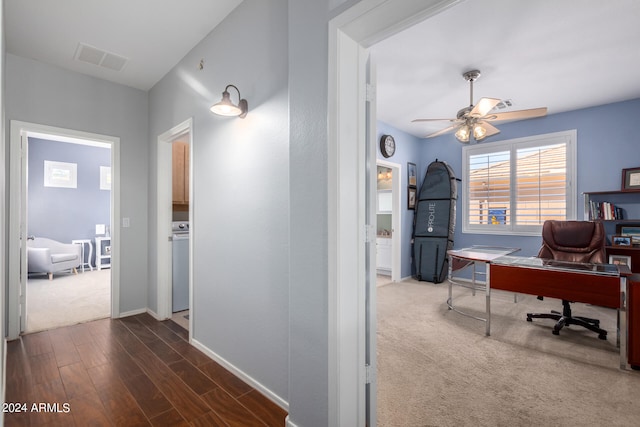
{"x":474,"y":119}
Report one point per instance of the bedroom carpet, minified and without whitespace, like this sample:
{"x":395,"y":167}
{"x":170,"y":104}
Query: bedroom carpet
{"x":436,"y":367}
{"x":67,"y":299}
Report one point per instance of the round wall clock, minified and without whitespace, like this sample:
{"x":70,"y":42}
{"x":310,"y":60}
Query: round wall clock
{"x":387,"y":145}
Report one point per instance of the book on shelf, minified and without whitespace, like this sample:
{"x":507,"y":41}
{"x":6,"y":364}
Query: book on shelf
{"x":605,"y":211}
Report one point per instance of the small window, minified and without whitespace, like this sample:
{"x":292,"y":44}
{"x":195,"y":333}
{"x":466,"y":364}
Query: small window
{"x":512,"y":187}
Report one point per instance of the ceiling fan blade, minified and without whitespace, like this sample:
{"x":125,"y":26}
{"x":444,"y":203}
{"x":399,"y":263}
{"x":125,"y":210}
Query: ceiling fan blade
{"x":491,"y":129}
{"x":483,"y":107}
{"x":518,"y":115}
{"x":440,"y":132}
{"x":433,"y":120}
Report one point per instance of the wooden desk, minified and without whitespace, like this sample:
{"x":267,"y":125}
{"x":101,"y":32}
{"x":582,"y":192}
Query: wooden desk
{"x":598,"y":284}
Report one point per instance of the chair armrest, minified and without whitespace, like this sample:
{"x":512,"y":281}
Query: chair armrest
{"x":39,"y":260}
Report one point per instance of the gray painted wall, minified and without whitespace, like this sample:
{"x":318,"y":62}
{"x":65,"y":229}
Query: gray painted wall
{"x":44,"y":94}
{"x":240,"y":203}
{"x":65,"y":214}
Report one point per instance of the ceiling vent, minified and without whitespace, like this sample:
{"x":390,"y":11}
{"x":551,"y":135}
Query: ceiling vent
{"x":504,"y":104}
{"x":99,"y":57}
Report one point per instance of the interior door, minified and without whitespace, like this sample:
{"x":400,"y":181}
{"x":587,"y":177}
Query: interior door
{"x":371,"y":188}
{"x":23,"y":231}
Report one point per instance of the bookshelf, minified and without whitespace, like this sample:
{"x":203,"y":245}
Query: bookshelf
{"x":627,"y":206}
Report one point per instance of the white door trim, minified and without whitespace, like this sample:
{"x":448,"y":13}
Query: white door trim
{"x":396,"y":220}
{"x":17,"y":214}
{"x":164,"y":202}
{"x":355,"y":29}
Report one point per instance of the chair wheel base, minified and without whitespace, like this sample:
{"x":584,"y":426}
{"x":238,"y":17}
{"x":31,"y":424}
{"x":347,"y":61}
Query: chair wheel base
{"x":554,"y":332}
{"x":603,"y":336}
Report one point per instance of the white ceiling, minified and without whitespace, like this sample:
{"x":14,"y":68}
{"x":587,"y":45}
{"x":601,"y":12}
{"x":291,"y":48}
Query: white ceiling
{"x":562,"y":54}
{"x":153,"y":34}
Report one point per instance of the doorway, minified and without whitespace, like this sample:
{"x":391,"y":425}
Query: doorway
{"x":63,"y":172}
{"x":388,"y":223}
{"x":68,"y":190}
{"x":350,"y":35}
{"x":170,"y":213}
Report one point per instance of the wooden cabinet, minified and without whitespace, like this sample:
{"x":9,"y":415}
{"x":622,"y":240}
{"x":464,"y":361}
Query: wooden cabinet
{"x":180,"y":164}
{"x":626,"y":202}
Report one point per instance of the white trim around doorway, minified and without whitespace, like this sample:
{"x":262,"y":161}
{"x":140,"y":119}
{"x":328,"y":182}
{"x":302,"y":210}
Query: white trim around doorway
{"x":17,"y":213}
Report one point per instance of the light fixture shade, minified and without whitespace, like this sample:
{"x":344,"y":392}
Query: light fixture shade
{"x":227,"y":108}
{"x":463,"y":134}
{"x":479,"y":132}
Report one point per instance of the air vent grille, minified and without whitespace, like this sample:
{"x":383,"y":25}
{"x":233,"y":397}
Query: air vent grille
{"x":99,"y":57}
{"x":504,"y":104}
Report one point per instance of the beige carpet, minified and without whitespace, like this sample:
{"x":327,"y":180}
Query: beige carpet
{"x":437,"y":367}
{"x":67,"y":299}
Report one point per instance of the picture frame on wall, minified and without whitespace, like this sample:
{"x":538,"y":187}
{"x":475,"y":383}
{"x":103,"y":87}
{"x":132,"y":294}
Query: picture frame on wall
{"x":412,"y":174}
{"x":632,"y":230}
{"x":631,"y":179}
{"x":412,"y":195}
{"x":620,"y":260}
{"x":60,"y":174}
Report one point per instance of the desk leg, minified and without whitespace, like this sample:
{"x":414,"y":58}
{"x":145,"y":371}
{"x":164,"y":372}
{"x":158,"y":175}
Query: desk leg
{"x":487,"y":266}
{"x":622,"y":320}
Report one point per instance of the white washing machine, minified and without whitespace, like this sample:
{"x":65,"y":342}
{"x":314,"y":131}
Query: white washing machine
{"x":180,"y":263}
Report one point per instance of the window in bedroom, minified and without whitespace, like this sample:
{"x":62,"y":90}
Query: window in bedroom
{"x":512,"y":187}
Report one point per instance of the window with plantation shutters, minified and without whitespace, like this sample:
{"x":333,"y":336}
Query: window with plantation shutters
{"x":512,"y":187}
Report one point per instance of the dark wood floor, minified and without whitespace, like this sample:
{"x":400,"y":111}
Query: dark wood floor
{"x":127,"y":372}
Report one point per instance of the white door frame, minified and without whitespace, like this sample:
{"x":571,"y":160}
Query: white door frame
{"x":164,"y":209}
{"x":396,"y":221}
{"x":17,"y":215}
{"x":350,"y":34}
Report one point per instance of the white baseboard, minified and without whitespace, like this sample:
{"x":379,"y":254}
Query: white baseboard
{"x":288,"y":423}
{"x":133,"y":312}
{"x":155,"y":315}
{"x":242,"y":375}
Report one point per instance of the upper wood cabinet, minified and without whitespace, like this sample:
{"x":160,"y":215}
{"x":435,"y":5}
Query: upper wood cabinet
{"x":180,"y":173}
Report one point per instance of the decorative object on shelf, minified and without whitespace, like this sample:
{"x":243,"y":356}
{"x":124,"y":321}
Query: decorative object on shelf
{"x":619,"y":240}
{"x":631,"y":179}
{"x":387,"y":145}
{"x":412,"y":174}
{"x":632,"y":230}
{"x":411,"y":198}
{"x":227,"y":108}
{"x":620,"y":260}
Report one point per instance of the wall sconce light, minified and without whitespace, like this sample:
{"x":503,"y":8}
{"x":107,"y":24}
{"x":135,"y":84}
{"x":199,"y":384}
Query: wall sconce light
{"x":227,"y":108}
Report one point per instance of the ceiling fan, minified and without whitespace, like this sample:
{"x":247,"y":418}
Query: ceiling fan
{"x":474,"y":119}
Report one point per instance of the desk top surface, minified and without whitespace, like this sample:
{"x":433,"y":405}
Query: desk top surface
{"x":482,"y":253}
{"x":550,"y":264}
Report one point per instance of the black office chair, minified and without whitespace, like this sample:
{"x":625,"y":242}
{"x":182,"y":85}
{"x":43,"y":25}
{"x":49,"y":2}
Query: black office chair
{"x":575,"y":241}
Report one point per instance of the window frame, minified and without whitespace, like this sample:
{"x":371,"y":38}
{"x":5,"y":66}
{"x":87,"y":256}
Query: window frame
{"x":568,"y":137}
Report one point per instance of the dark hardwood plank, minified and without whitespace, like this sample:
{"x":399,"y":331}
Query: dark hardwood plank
{"x":80,"y":334}
{"x":230,"y":410}
{"x":151,"y":400}
{"x":56,"y":414}
{"x":139,"y":330}
{"x":263,"y":408}
{"x":186,"y":401}
{"x":127,"y":339}
{"x":44,"y":368}
{"x":190,"y":353}
{"x":225,"y":379}
{"x":87,"y":410}
{"x":121,"y":407}
{"x":91,"y":354}
{"x":192,"y":376}
{"x":164,"y":352}
{"x":37,"y":343}
{"x":171,"y":418}
{"x":76,"y":380}
{"x":63,"y":347}
{"x":210,"y":419}
{"x":182,"y":332}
